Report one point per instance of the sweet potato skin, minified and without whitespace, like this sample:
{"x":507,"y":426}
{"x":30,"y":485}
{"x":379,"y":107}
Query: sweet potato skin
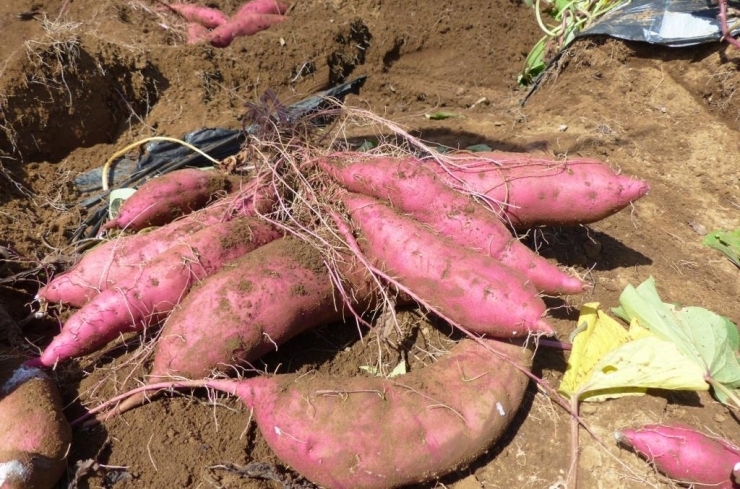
{"x":405,"y":430}
{"x":685,"y":454}
{"x":35,"y":434}
{"x":205,"y":16}
{"x":113,"y":262}
{"x":262,"y":7}
{"x":109,"y":262}
{"x":245,"y":25}
{"x":257,"y":303}
{"x":160,"y":200}
{"x":418,"y":191}
{"x":535,"y":191}
{"x":470,"y":288}
{"x":156,"y":289}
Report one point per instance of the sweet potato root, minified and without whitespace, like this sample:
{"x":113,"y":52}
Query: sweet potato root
{"x":256,"y":304}
{"x":205,"y":16}
{"x":405,"y":430}
{"x":261,"y":7}
{"x":251,"y":307}
{"x":244,"y":25}
{"x":113,"y":262}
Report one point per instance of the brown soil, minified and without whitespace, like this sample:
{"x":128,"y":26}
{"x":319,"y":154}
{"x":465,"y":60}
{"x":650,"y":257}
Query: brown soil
{"x":76,"y":89}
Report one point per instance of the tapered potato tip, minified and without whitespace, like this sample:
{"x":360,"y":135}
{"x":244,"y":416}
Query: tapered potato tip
{"x":632,"y":189}
{"x":543,"y":327}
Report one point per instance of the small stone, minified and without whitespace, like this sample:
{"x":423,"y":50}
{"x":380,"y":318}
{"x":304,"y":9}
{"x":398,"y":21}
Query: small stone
{"x":698,"y":228}
{"x":562,"y":127}
{"x":719,"y":418}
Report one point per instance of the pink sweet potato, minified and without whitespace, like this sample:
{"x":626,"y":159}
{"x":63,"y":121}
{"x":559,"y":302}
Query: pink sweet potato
{"x":532,"y":191}
{"x":205,"y":16}
{"x":416,"y":190}
{"x":372,"y":432}
{"x":251,"y":307}
{"x":261,"y":7}
{"x":258,"y":303}
{"x":156,"y":289}
{"x":382,"y":433}
{"x":34,"y":434}
{"x":111,"y":261}
{"x":116,"y":260}
{"x":685,"y":454}
{"x":244,"y":25}
{"x":160,"y":200}
{"x":197,"y":33}
{"x":468,"y":287}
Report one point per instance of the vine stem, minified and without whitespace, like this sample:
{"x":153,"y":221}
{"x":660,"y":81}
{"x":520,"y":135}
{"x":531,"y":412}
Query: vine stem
{"x":718,"y":386}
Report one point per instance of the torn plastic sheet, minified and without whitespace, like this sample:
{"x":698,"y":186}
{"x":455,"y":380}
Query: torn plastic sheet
{"x":162,"y":157}
{"x":674,"y":23}
{"x":216,"y":142}
{"x":219,"y":143}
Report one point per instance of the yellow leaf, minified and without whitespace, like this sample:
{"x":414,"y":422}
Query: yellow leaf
{"x":599,"y":335}
{"x":641,"y":364}
{"x":637,"y":331}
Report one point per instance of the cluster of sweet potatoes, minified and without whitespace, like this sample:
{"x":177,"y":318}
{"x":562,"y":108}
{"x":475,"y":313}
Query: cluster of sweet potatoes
{"x":285,"y":252}
{"x":206,"y":24}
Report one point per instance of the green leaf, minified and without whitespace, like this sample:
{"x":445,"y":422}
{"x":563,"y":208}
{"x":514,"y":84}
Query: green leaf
{"x":441,"y":115}
{"x":727,"y":242}
{"x":479,"y":148}
{"x":535,"y":63}
{"x":367,"y":145}
{"x":705,"y":338}
{"x":607,"y":361}
{"x":644,"y":363}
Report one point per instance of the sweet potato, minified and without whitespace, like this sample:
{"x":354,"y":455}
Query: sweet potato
{"x":160,"y":200}
{"x":532,"y":191}
{"x":381,"y":433}
{"x":468,"y":287}
{"x":261,"y":7}
{"x":258,"y":303}
{"x":156,"y":289}
{"x":251,"y":307}
{"x":372,"y":432}
{"x":685,"y":454}
{"x":197,"y":33}
{"x":205,"y":16}
{"x":113,"y":261}
{"x":416,"y":190}
{"x":35,"y":434}
{"x":244,"y":25}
